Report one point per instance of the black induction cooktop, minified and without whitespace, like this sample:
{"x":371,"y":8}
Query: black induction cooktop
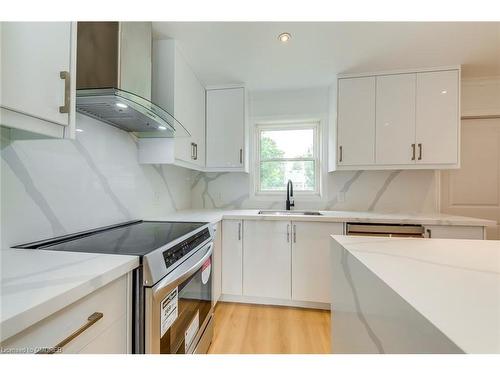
{"x":133,"y":238}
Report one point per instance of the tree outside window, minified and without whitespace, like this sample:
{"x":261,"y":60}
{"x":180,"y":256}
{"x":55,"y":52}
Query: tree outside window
{"x":287,"y":152}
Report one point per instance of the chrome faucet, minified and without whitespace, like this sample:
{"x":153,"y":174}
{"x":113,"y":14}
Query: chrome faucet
{"x":289,"y":195}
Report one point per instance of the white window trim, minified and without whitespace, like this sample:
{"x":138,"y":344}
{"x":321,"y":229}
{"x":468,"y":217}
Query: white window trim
{"x":275,"y":124}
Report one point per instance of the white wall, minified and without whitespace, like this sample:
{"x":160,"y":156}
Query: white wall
{"x":390,"y":191}
{"x":55,"y":187}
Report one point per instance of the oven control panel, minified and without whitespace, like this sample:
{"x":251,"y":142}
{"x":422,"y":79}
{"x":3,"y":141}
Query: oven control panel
{"x":183,"y":248}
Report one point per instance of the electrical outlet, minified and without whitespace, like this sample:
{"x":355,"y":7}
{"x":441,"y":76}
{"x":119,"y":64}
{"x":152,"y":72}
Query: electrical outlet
{"x":341,"y":197}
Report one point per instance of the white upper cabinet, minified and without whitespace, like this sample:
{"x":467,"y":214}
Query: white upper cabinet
{"x":38,"y":70}
{"x":226,"y":129}
{"x":399,"y":120}
{"x":176,"y":88}
{"x":438,"y":117}
{"x":356,"y":121}
{"x":395,"y":119}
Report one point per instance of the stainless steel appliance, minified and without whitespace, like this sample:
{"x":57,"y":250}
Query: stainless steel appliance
{"x":113,"y":79}
{"x":172,"y":289}
{"x":385,"y":230}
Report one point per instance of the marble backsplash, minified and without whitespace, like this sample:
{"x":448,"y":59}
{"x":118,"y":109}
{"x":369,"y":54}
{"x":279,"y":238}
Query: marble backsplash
{"x":382,"y":191}
{"x":55,"y":187}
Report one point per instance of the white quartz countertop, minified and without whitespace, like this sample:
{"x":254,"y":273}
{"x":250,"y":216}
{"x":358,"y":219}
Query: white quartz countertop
{"x":38,"y":283}
{"x":455,"y":284}
{"x":329,"y":216}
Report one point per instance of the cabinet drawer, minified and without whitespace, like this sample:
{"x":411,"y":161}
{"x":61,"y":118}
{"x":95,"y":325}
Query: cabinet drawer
{"x":111,"y":300}
{"x":454,"y":232}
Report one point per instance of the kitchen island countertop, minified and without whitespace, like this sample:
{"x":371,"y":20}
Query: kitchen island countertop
{"x":453,"y":284}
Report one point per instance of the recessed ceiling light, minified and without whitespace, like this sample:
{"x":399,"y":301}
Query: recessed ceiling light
{"x":121,"y":105}
{"x":284,"y":37}
{"x":444,"y":91}
{"x":161,"y":127}
{"x":79,"y":130}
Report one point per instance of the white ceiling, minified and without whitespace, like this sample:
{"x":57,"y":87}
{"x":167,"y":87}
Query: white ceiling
{"x":249,"y":52}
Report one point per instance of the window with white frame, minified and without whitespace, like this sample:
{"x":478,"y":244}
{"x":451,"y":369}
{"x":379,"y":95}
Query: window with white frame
{"x":287,"y":151}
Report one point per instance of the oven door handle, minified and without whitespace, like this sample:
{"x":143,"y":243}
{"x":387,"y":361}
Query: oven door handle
{"x":179,"y":275}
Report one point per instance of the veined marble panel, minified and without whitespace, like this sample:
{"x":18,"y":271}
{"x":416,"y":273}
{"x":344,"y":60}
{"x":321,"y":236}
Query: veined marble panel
{"x":55,"y":187}
{"x":411,"y":191}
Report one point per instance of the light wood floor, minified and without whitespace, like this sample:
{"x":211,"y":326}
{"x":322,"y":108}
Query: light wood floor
{"x":251,"y":329}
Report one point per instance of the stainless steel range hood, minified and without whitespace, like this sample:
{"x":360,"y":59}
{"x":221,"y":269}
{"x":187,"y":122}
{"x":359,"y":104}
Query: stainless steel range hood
{"x":114,"y":79}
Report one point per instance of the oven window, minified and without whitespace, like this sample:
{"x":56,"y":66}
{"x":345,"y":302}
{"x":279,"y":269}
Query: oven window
{"x":194,"y":304}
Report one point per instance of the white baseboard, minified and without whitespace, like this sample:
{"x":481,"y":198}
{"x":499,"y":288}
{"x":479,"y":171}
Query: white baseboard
{"x":274,"y":302}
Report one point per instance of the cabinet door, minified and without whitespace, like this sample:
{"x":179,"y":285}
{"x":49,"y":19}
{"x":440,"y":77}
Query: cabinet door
{"x":311,"y":263}
{"x":33,"y":55}
{"x":267,"y":259}
{"x":217,"y":264}
{"x":437,"y":120}
{"x":189,"y":109}
{"x":176,"y":88}
{"x":232,"y":257}
{"x":395,"y":119}
{"x":356,"y":121}
{"x":225,"y":128}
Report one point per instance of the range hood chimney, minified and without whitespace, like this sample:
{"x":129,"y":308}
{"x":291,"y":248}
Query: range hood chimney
{"x":113,"y":79}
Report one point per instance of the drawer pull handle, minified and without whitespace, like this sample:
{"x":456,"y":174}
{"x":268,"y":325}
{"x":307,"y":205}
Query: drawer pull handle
{"x":91,"y":320}
{"x":413,"y":151}
{"x":420,"y":151}
{"x":67,"y":92}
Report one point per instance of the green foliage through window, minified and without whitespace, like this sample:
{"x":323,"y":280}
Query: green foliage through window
{"x":287,"y":153}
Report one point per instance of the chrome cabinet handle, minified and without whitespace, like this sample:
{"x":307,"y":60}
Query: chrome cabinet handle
{"x":241,"y":156}
{"x":193,"y":156}
{"x":340,"y":156}
{"x":420,"y":151}
{"x":294,"y":233}
{"x":196,"y":151}
{"x":239,"y":231}
{"x":288,"y":233}
{"x":67,"y":92}
{"x":91,"y":320}
{"x":413,"y":151}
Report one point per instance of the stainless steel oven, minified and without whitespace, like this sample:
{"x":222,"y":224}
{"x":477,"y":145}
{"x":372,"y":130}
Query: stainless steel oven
{"x":171,"y":289}
{"x":178,"y":309}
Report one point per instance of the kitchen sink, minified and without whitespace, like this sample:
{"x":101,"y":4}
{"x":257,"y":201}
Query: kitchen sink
{"x":285,"y":213}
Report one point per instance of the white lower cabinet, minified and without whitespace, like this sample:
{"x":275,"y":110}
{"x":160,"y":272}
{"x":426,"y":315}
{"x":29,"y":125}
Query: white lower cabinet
{"x":288,"y":262}
{"x":217,"y":264}
{"x":267,"y":259}
{"x":108,"y":308}
{"x":311,"y":264}
{"x":455,"y":232}
{"x":232,"y":257}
